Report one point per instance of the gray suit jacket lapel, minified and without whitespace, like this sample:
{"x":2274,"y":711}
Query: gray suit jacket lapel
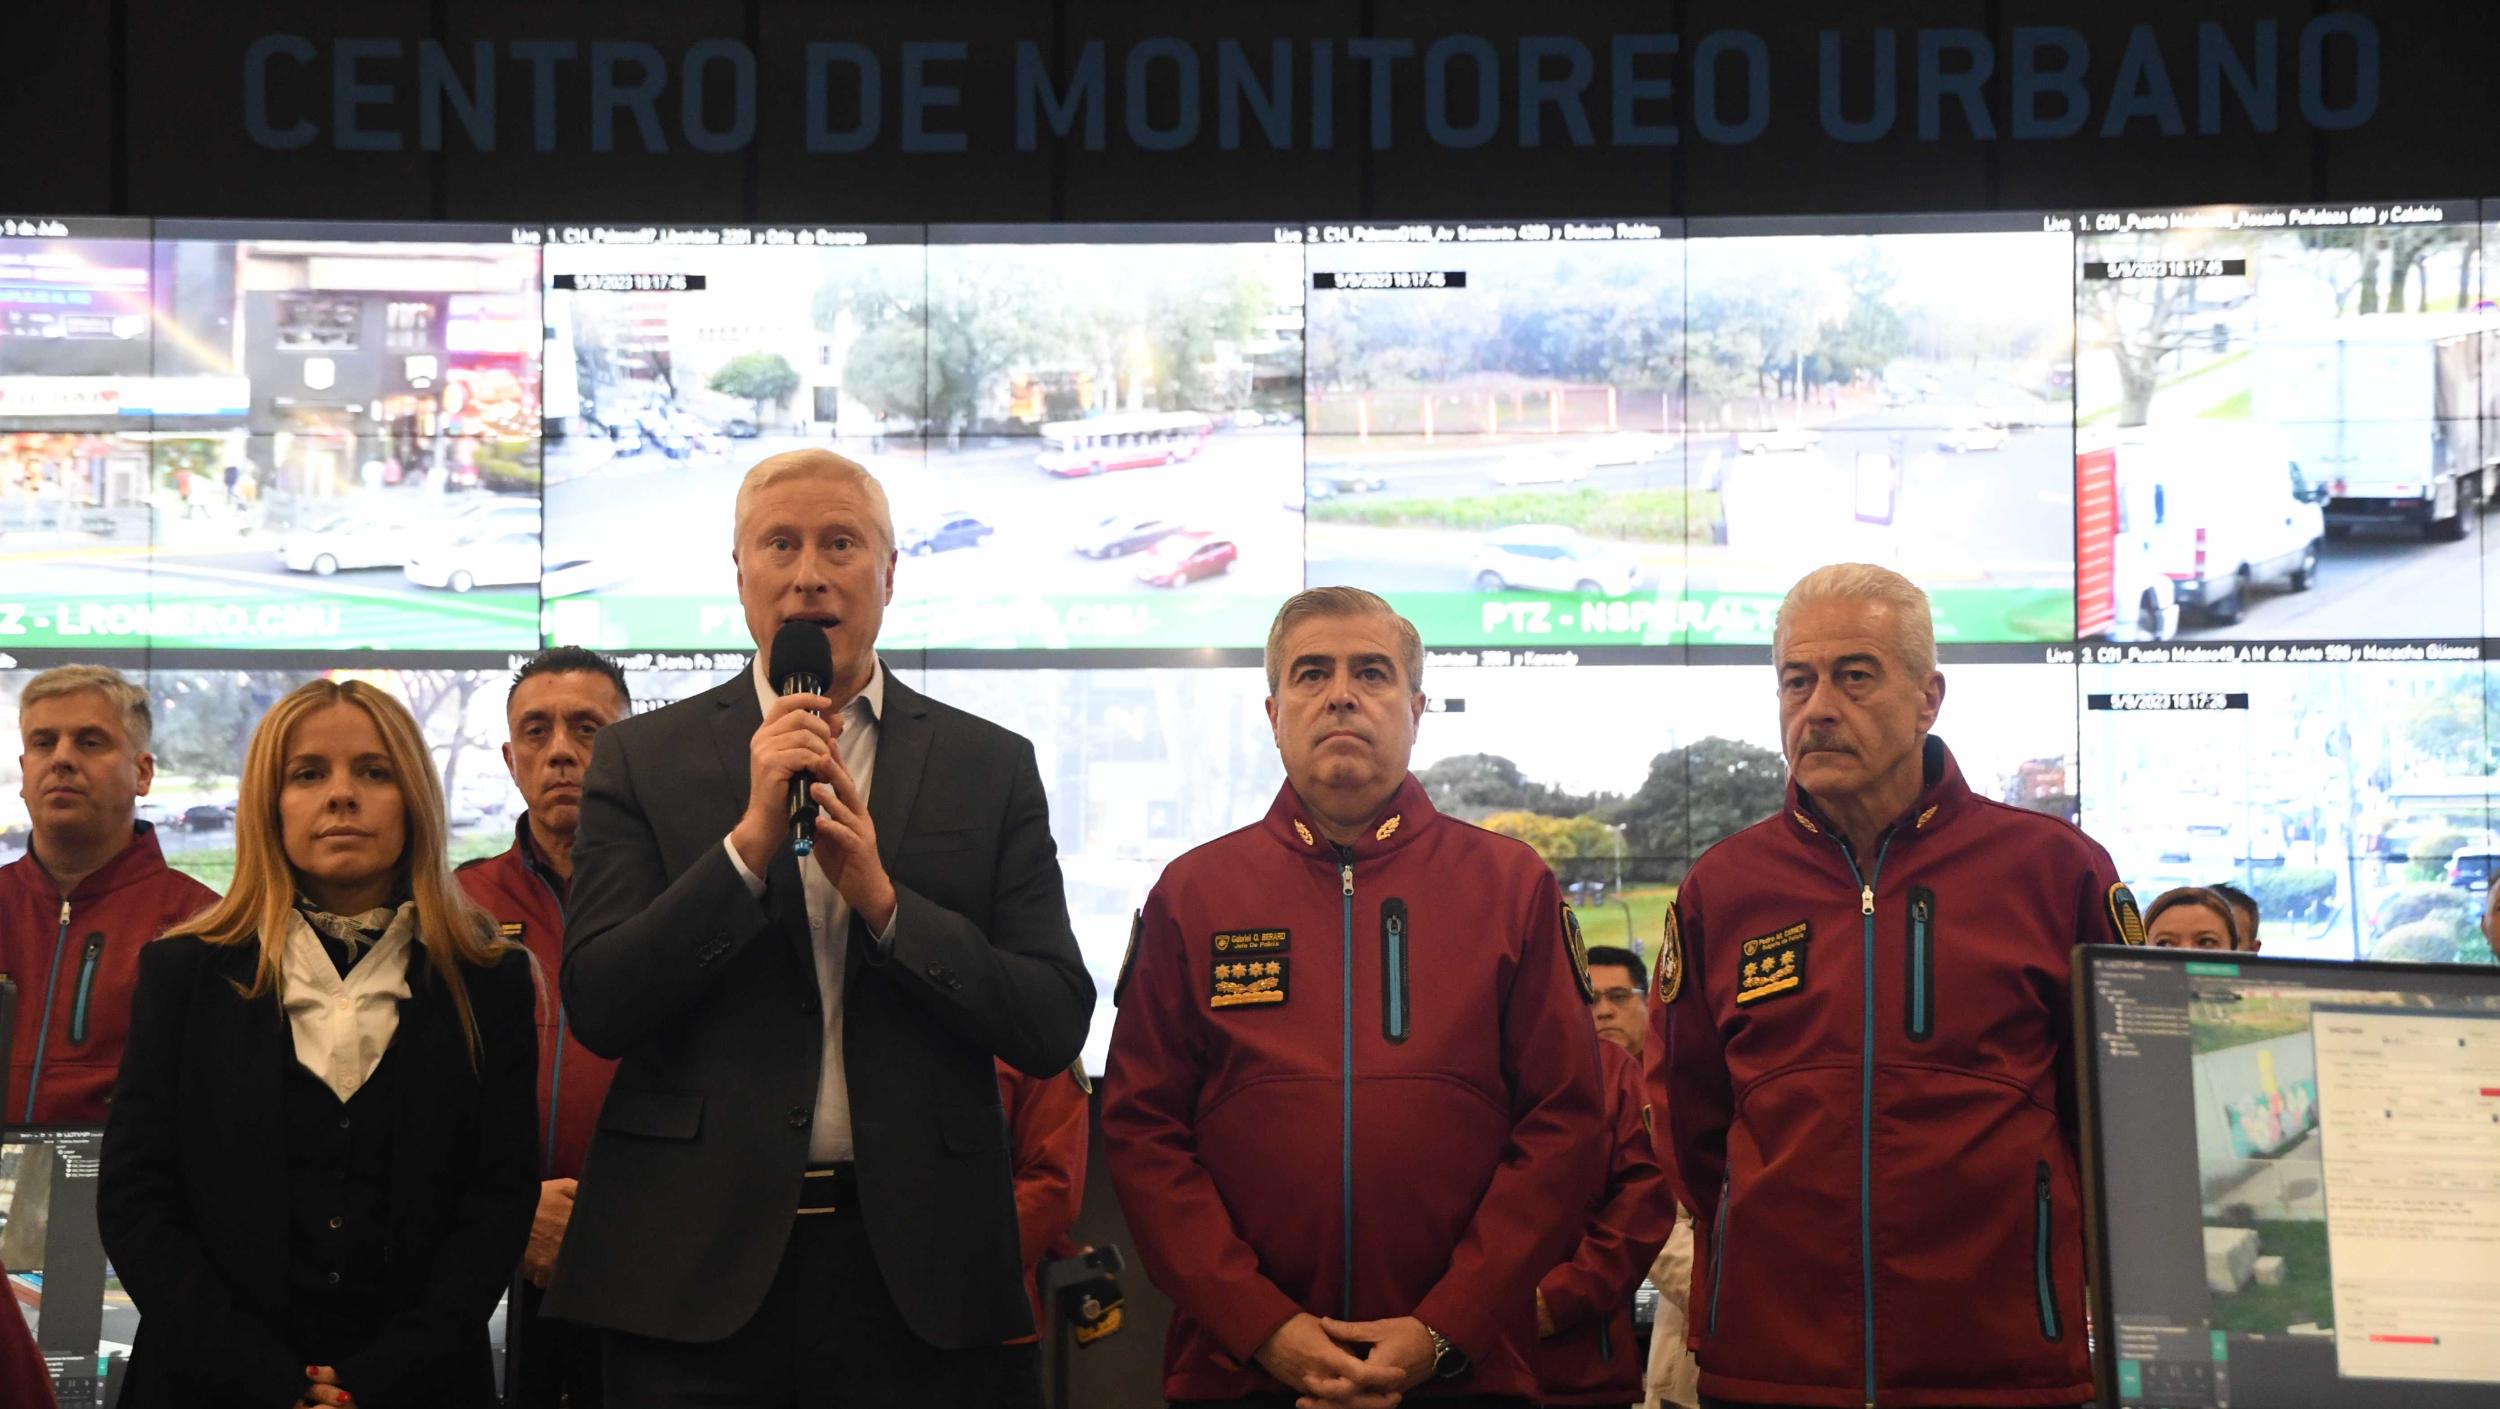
{"x":904,"y":733}
{"x":735,"y":718}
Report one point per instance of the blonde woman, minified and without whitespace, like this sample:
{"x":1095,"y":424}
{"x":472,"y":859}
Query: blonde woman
{"x":319,"y":1161}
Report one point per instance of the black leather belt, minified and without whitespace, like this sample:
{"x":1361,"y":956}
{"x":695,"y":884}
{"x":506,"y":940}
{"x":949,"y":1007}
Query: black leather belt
{"x":830,"y":1188}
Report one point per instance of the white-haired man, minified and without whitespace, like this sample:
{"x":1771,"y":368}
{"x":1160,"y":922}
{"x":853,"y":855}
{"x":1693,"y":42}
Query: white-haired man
{"x":1881,"y":968}
{"x":798,"y":1193}
{"x":92,"y":887}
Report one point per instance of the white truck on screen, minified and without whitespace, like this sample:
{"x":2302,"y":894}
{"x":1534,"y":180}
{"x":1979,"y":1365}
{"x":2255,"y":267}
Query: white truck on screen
{"x":2397,"y":414}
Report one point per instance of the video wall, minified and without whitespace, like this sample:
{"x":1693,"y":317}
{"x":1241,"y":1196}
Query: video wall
{"x":2200,"y":496}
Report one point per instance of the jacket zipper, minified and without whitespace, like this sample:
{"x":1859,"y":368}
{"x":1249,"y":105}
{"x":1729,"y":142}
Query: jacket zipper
{"x":89,"y":960}
{"x":2043,"y":1284}
{"x":1922,"y":1021}
{"x":1393,"y":1000}
{"x":555,"y":1079}
{"x":1866,"y":1091}
{"x":1345,"y":1069}
{"x":1718,"y":1254}
{"x":43,"y":1030}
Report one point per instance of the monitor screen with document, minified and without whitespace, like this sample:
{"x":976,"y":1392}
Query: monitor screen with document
{"x":2293,"y":1179}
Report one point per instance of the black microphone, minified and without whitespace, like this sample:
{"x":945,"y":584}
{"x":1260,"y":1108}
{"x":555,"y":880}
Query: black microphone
{"x":801,"y":664}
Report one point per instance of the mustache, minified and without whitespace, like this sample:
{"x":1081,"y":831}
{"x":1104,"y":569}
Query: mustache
{"x":1817,"y":741}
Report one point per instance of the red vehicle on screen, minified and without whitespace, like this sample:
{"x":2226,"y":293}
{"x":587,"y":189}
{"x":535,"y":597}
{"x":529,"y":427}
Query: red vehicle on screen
{"x":1183,"y":558}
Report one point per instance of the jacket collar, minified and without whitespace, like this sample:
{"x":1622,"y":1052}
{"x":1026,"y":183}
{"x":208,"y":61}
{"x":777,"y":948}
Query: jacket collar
{"x":137,"y":862}
{"x":1941,"y":798}
{"x":525,"y":848}
{"x":1408,"y":815}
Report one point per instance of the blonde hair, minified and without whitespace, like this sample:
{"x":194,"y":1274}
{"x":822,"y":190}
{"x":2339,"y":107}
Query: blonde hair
{"x":255,"y":909}
{"x":1914,"y":620}
{"x":1341,"y":601}
{"x":806,"y":464}
{"x":129,"y":699}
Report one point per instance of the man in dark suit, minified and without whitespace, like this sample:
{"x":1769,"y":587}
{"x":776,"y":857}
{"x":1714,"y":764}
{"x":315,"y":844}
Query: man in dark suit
{"x":799,"y":1191}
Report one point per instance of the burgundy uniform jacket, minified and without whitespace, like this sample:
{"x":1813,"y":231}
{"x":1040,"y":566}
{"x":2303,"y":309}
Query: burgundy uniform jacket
{"x":1047,"y":1120}
{"x":1595,"y":1356}
{"x":527,"y":900}
{"x":75,"y":959}
{"x":1355,"y":1081}
{"x":1865,"y":1073}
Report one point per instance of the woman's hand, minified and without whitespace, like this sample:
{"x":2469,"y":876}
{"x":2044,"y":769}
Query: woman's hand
{"x":324,"y":1388}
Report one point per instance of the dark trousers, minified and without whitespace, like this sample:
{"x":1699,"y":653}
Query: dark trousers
{"x":551,"y":1362}
{"x":827,"y":1337}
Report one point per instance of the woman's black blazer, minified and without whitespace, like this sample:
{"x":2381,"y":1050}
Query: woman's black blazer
{"x":192,"y":1199}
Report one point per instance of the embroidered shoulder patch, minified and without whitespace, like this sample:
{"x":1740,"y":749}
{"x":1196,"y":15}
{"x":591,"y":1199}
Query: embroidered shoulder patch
{"x":1775,"y":964}
{"x":1248,"y":983}
{"x":1666,"y":981}
{"x":1253,"y":941}
{"x":1579,"y":955}
{"x":1128,"y":960}
{"x":2124,"y":917}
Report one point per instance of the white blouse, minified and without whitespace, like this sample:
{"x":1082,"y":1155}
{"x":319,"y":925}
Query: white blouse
{"x":343,"y":1024}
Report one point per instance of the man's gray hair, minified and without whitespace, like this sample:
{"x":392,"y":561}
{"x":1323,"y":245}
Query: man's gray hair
{"x":129,"y":699}
{"x":1342,"y":601}
{"x":1914,"y":638}
{"x":811,"y":463}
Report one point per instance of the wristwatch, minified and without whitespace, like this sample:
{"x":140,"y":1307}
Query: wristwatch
{"x":1448,"y":1361}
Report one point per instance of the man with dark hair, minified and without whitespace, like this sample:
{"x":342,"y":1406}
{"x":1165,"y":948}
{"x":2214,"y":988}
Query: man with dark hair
{"x":561,"y":698}
{"x":1350,"y":1083}
{"x":1621,"y":982}
{"x":2244,"y":910}
{"x":90,"y":890}
{"x":1587,"y":1352}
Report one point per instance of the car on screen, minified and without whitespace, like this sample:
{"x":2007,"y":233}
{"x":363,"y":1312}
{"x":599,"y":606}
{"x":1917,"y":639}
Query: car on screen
{"x":1540,"y":469}
{"x":340,"y":541}
{"x":1973,"y":435}
{"x":948,"y":531}
{"x":2472,"y":867}
{"x":1341,"y":481}
{"x":1552,"y":558}
{"x":1184,"y":558}
{"x":490,"y":557}
{"x":207,"y":817}
{"x":1787,"y":440}
{"x":1123,"y":534}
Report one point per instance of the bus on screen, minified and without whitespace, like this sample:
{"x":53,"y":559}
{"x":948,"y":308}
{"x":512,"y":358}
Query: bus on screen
{"x":1131,"y":440}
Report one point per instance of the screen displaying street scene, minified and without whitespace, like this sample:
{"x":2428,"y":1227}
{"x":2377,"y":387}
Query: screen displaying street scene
{"x":1111,"y":441}
{"x":2284,"y":422}
{"x":2355,"y":801}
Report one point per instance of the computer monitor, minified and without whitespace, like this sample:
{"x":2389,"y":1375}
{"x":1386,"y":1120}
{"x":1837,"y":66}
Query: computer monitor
{"x":2292,"y":1179}
{"x":81,"y":1319}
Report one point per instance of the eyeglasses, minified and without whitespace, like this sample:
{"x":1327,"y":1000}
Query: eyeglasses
{"x":1615,"y":997}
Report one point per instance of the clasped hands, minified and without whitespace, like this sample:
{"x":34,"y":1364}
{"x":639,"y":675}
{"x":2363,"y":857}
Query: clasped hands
{"x":1317,"y":1358}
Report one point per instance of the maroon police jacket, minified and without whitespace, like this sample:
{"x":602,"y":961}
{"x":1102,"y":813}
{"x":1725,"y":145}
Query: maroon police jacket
{"x":1354,"y":1081}
{"x":1866,"y":1076}
{"x":1595,"y":1355}
{"x":75,"y":959}
{"x":527,"y":900}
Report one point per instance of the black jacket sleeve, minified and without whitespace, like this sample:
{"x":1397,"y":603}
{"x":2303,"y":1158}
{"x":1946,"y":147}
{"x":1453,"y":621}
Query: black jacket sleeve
{"x":145,"y":1218}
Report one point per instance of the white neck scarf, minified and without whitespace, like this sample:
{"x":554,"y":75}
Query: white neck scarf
{"x":344,"y":1023}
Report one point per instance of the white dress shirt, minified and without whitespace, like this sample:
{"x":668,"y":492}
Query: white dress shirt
{"x":829,"y":915}
{"x":343,"y":1023}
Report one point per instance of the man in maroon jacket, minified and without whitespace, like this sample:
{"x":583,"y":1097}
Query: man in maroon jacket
{"x":1892,"y":1212}
{"x":91,"y":888}
{"x":1352,"y":1087}
{"x":1587,"y":1352}
{"x":561,"y":698}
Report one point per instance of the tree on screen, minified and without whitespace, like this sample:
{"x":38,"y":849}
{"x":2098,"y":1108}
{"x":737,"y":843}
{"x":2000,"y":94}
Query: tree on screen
{"x":759,"y":378}
{"x":1700,"y":794}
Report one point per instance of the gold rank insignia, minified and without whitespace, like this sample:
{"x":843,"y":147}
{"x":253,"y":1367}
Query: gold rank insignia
{"x":1805,"y":821}
{"x":1922,"y":817}
{"x":1389,"y":828}
{"x":1248,"y":983}
{"x":1579,"y":955}
{"x":510,"y":930}
{"x":1668,"y":979}
{"x":2127,"y":920}
{"x":1303,"y":832}
{"x":1775,"y":963}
